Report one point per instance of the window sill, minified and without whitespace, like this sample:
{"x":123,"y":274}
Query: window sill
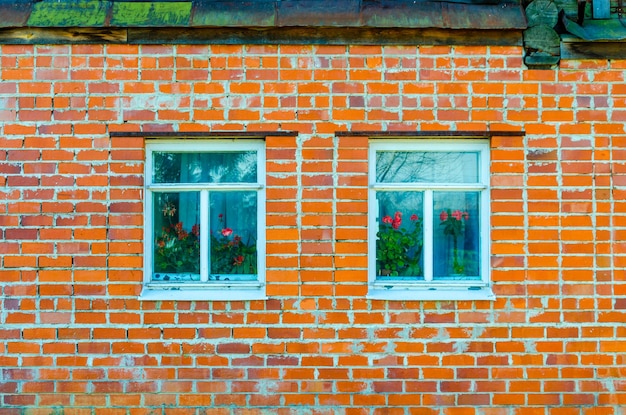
{"x":429,"y":293}
{"x":202,"y":292}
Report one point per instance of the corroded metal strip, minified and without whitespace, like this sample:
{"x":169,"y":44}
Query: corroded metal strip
{"x":278,"y":36}
{"x":208,"y":134}
{"x":437,"y":134}
{"x":35,"y":35}
{"x":593,"y":50}
{"x":326,"y":36}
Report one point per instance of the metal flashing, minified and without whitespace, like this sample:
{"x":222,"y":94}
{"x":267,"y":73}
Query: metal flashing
{"x":409,"y":14}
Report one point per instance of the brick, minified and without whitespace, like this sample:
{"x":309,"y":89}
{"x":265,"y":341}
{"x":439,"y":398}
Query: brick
{"x":78,"y":336}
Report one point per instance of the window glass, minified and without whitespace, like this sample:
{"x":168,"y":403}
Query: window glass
{"x":233,"y":244}
{"x":426,"y":167}
{"x":204,"y":219}
{"x":456,"y":231}
{"x":429,"y":215}
{"x":400,"y":237}
{"x":176,"y":233}
{"x":207,"y":167}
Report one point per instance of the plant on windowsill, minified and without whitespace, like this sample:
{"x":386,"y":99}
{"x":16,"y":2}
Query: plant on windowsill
{"x":399,"y":249}
{"x":230,"y":254}
{"x":453,"y":224}
{"x":177,"y":251}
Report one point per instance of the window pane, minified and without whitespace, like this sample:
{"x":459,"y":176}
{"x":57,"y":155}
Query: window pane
{"x":226,"y":167}
{"x":426,"y":167}
{"x":399,"y":238}
{"x":176,"y":236}
{"x":456,"y":235}
{"x":233,"y":235}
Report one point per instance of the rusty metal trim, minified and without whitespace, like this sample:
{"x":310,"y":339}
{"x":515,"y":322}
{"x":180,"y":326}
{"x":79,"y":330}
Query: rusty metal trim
{"x":430,"y":134}
{"x":201,"y":134}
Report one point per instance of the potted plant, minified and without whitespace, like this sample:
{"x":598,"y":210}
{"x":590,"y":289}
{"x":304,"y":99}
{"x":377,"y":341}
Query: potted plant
{"x":398,"y":248}
{"x":177,"y":250}
{"x":230,"y":254}
{"x":453,"y":226}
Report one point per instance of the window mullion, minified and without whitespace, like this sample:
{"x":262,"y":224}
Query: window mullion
{"x":194,"y":187}
{"x":484,"y":226}
{"x":205,"y":240}
{"x":423,"y":186}
{"x":428,"y":235}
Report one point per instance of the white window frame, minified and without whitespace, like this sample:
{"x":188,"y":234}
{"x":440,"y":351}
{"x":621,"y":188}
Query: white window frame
{"x":428,"y":289}
{"x":204,"y":289}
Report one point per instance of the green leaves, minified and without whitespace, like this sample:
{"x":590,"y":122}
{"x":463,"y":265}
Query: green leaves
{"x":399,"y":249}
{"x":177,"y":251}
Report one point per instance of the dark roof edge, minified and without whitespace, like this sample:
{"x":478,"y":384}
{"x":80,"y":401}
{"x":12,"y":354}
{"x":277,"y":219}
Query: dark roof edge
{"x":450,"y":14}
{"x":370,"y":134}
{"x":262,"y":36}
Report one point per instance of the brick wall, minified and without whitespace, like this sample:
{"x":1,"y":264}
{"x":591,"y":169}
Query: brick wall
{"x":75,"y":338}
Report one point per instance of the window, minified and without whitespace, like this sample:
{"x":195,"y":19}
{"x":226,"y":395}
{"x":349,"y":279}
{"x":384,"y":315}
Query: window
{"x":429,"y":219}
{"x":204,"y":220}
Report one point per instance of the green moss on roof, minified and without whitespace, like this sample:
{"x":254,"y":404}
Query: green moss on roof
{"x":151,"y":14}
{"x":82,"y":13}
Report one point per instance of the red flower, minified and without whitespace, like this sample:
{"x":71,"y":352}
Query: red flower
{"x":397,"y":220}
{"x":227,"y":232}
{"x":414,"y":217}
{"x":465,"y":215}
{"x":238,"y":260}
{"x":180,"y":232}
{"x":195,"y":230}
{"x":443,"y":216}
{"x":457,"y":214}
{"x":387,"y":219}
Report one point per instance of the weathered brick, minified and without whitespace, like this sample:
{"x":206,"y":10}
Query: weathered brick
{"x":75,"y":334}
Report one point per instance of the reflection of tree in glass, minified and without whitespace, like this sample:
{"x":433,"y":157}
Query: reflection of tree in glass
{"x":390,"y":163}
{"x":423,"y":167}
{"x":245,"y":167}
{"x":210,"y":167}
{"x":166,"y":168}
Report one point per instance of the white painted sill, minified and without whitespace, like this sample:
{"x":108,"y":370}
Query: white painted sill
{"x":203,"y":292}
{"x":429,"y":293}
